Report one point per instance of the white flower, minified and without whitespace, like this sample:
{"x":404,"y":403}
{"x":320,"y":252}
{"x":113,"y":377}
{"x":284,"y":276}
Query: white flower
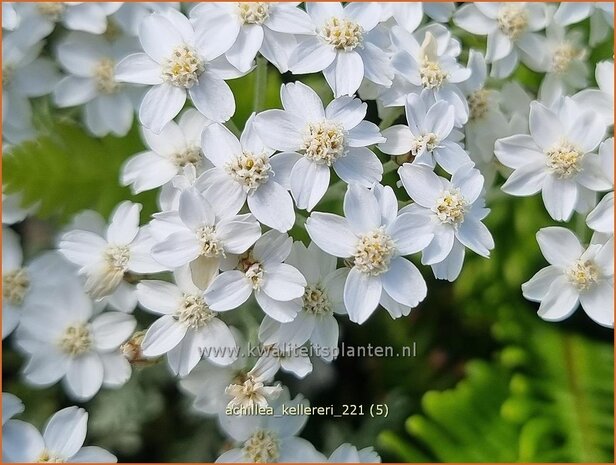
{"x":244,"y":172}
{"x":277,"y":286}
{"x":188,"y":329}
{"x":409,"y":14}
{"x":429,"y":136}
{"x":24,"y":76}
{"x":78,"y":16}
{"x":313,"y":139}
{"x":511,"y":28}
{"x":21,"y":283}
{"x":253,"y":27}
{"x":601,"y":100}
{"x":11,"y":406}
{"x":575,"y":276}
{"x":431,"y":66}
{"x":61,"y":441}
{"x":104,"y":261}
{"x":601,"y":17}
{"x":601,"y":218}
{"x":286,"y":359}
{"x":131,"y":14}
{"x":343,"y":47}
{"x":454,"y":210}
{"x":253,"y":389}
{"x":178,"y":60}
{"x":347,"y":453}
{"x":374,"y":238}
{"x":10,"y":18}
{"x":556,"y":159}
{"x":566,"y":67}
{"x":90,"y":61}
{"x":322,"y":298}
{"x":177,"y":146}
{"x":169,"y":196}
{"x":269,"y":438}
{"x":63,"y":340}
{"x":201,"y":232}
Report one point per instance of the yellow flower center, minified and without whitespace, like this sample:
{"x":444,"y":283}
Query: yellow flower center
{"x":478,"y":104}
{"x":316,"y":301}
{"x":48,"y":457}
{"x":76,"y":340}
{"x":252,"y":268}
{"x":104,"y":75}
{"x":512,"y":20}
{"x":431,"y":73}
{"x":583,"y":275}
{"x":564,"y":159}
{"x":262,"y":447}
{"x":250,"y":170}
{"x":450,"y":207}
{"x":342,"y":34}
{"x":324,"y":142}
{"x":253,"y":12}
{"x":183,"y":67}
{"x":189,"y":156}
{"x":373,"y":252}
{"x":563,"y":56}
{"x":51,"y":10}
{"x":211,"y":246}
{"x":194,"y":312}
{"x":15,"y":285}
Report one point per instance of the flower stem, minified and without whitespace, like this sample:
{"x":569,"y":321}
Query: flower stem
{"x":260,"y":88}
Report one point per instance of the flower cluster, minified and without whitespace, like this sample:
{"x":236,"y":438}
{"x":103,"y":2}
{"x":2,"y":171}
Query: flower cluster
{"x":309,"y":216}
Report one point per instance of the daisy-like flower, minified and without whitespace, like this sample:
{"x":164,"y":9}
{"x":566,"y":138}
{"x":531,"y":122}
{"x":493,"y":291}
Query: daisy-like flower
{"x":410,"y":14}
{"x":201,"y":233}
{"x":343,"y":47}
{"x":431,"y":66}
{"x":269,"y":438}
{"x":601,"y":218}
{"x":177,"y":146}
{"x":63,"y":340}
{"x":429,"y":137}
{"x":244,"y":172}
{"x":601,"y":17}
{"x":601,"y":100}
{"x":255,"y":388}
{"x":104,"y":261}
{"x":556,"y":158}
{"x":21,"y":283}
{"x":575,"y":276}
{"x":454,"y":210}
{"x":61,"y":441}
{"x":374,"y":238}
{"x":348,"y":453}
{"x":253,"y":27}
{"x":566,"y":67}
{"x":169,"y":197}
{"x":313,"y":139}
{"x":322,"y":299}
{"x":24,"y":75}
{"x":214,"y":386}
{"x":90,"y":61}
{"x":277,"y":286}
{"x":177,"y":62}
{"x":187,"y":330}
{"x":511,"y":28}
{"x":78,"y":16}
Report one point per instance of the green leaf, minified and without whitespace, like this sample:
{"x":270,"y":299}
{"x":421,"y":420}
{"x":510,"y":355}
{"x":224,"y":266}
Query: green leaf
{"x":66,"y":170}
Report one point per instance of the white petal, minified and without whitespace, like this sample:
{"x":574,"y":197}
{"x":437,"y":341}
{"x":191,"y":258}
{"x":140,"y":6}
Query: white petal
{"x":283,"y":282}
{"x":238,"y":233}
{"x":361,"y":209}
{"x":147,"y":170}
{"x":476,"y":236}
{"x":216,"y":336}
{"x":363,"y":134}
{"x":84,"y":377}
{"x":309,"y":182}
{"x":21,"y":442}
{"x":559,"y":302}
{"x":300,"y":100}
{"x":348,"y":111}
{"x":559,"y":197}
{"x":282,"y":311}
{"x":272,"y":205}
{"x":158,"y":37}
{"x":160,"y":105}
{"x":517,"y":151}
{"x":164,"y":334}
{"x":246,"y":46}
{"x":411,"y":233}
{"x":348,"y":73}
{"x":598,"y":303}
{"x":213,"y":98}
{"x":362,"y":293}
{"x":311,"y":56}
{"x":527,"y":180}
{"x":421,"y":183}
{"x":439,"y":248}
{"x":332,"y":233}
{"x":272,"y":247}
{"x":279,"y":129}
{"x":538,"y":286}
{"x":399,"y":140}
{"x":404,"y":283}
{"x":159,"y":297}
{"x":93,"y":454}
{"x":360,"y":166}
{"x":229,"y":290}
{"x":138,"y":68}
{"x":73,"y":90}
{"x":545,"y":127}
{"x":124,"y":224}
{"x":559,"y":246}
{"x":177,"y":250}
{"x":282,"y":166}
{"x":65,"y":431}
{"x":111,"y":329}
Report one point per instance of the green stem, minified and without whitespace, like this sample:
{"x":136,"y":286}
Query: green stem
{"x":260,"y":84}
{"x":390,"y":118}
